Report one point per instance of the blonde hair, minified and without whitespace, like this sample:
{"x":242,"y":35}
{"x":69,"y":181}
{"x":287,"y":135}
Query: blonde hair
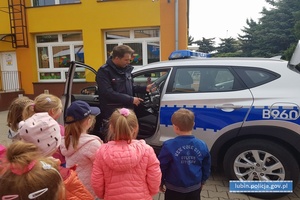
{"x":184,"y":119}
{"x":74,"y":130}
{"x":122,"y":127}
{"x":43,"y":103}
{"x":15,"y":111}
{"x":35,"y":179}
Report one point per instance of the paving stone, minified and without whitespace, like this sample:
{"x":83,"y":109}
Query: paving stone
{"x":222,"y":188}
{"x":214,"y":182}
{"x":210,"y":188}
{"x":287,"y":198}
{"x":254,"y":198}
{"x":296,"y":198}
{"x":237,"y":196}
{"x":297,"y":192}
{"x":212,"y":194}
{"x":204,"y":198}
{"x":159,"y":196}
{"x":292,"y":195}
{"x":204,"y":193}
{"x":226,"y":183}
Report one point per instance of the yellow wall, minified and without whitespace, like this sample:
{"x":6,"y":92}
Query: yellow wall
{"x":93,"y":18}
{"x":168,"y":27}
{"x":90,"y":17}
{"x":4,"y":27}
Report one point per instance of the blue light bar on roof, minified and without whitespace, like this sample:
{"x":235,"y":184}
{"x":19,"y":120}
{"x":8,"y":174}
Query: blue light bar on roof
{"x":182,"y":54}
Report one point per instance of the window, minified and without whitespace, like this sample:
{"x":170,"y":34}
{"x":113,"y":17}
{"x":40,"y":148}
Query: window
{"x":184,"y":81}
{"x":148,"y":33}
{"x":202,"y":79}
{"x":112,"y":35}
{"x":144,"y":42}
{"x":137,"y":57}
{"x":52,"y":2}
{"x":54,"y":53}
{"x":256,"y":76}
{"x":146,"y":78}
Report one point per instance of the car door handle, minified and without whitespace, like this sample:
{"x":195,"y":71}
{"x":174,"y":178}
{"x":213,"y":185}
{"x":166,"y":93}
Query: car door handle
{"x":228,"y":107}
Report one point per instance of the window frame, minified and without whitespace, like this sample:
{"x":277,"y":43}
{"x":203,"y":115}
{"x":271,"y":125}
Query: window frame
{"x":56,"y":2}
{"x":241,"y":71}
{"x":237,"y":82}
{"x":49,"y":45}
{"x":144,"y":41}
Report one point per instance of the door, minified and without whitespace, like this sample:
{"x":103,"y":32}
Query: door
{"x":216,"y":95}
{"x":9,"y":72}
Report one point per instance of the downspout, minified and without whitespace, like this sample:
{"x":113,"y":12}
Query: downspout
{"x":176,"y":25}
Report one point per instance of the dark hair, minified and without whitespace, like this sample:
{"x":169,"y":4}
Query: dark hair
{"x":121,"y":50}
{"x":15,"y":111}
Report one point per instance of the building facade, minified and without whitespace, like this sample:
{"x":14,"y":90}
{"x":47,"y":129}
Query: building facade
{"x":38,"y":38}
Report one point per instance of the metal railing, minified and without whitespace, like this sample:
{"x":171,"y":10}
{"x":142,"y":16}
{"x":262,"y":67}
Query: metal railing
{"x":10,"y":81}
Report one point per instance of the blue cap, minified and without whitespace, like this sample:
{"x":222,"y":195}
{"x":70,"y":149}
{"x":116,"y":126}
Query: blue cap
{"x":80,"y":110}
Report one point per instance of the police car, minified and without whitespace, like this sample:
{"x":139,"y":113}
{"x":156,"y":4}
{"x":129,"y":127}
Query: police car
{"x":246,"y":110}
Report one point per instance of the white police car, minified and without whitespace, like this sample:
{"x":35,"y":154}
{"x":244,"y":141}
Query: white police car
{"x":246,"y":109}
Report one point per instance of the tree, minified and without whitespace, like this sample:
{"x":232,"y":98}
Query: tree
{"x":276,"y":31}
{"x":247,"y":40}
{"x":206,"y":45}
{"x":190,"y":40}
{"x":228,"y":45}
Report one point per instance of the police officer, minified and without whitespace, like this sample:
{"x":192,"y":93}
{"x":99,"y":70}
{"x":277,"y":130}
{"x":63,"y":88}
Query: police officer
{"x":115,"y":83}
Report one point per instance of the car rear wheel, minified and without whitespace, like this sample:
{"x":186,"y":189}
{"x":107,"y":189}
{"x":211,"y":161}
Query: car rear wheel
{"x":263,"y":160}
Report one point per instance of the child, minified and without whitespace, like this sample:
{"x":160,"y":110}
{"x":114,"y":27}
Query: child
{"x":52,"y":105}
{"x":2,"y":159}
{"x":79,"y":147}
{"x":44,"y":103}
{"x":29,"y":175}
{"x":125,"y":168}
{"x":14,"y":116}
{"x":187,"y":157}
{"x":43,"y":131}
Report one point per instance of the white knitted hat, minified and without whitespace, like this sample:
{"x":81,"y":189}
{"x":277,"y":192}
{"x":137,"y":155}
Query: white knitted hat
{"x":43,"y":131}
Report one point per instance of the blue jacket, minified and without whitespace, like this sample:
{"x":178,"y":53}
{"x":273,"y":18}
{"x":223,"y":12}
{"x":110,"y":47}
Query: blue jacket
{"x":185,"y":163}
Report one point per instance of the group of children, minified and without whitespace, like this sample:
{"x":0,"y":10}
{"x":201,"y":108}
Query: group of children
{"x":47,"y":160}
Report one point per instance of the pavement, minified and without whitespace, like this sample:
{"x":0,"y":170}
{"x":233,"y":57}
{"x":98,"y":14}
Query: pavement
{"x":216,"y":188}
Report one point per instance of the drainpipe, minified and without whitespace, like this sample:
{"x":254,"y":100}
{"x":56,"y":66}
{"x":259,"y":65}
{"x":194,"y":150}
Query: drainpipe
{"x":176,"y":24}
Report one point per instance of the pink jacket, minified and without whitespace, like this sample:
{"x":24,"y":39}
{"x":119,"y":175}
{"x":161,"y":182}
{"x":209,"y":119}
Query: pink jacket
{"x":126,"y":171}
{"x":83,"y":157}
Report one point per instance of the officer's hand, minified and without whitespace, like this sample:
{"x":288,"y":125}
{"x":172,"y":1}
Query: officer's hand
{"x":137,"y":101}
{"x":151,"y":88}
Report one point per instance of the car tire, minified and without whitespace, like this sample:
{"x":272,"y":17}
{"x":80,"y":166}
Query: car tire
{"x":276,"y":154}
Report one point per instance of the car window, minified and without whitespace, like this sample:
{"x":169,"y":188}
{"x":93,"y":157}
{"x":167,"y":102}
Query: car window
{"x":253,"y":77}
{"x":203,"y":79}
{"x":146,"y":78}
{"x":184,"y":81}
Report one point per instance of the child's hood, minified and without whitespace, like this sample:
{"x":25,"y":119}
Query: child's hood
{"x":121,"y":156}
{"x":84,"y":142}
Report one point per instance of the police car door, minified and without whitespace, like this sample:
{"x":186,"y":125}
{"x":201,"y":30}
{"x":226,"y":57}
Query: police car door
{"x":216,"y":95}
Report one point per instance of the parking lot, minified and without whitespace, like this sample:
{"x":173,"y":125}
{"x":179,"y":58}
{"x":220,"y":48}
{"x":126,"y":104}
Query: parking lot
{"x":216,"y":187}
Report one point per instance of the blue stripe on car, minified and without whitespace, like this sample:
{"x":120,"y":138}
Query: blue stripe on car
{"x":215,"y":119}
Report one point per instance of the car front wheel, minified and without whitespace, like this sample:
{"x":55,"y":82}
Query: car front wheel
{"x":260,"y":160}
